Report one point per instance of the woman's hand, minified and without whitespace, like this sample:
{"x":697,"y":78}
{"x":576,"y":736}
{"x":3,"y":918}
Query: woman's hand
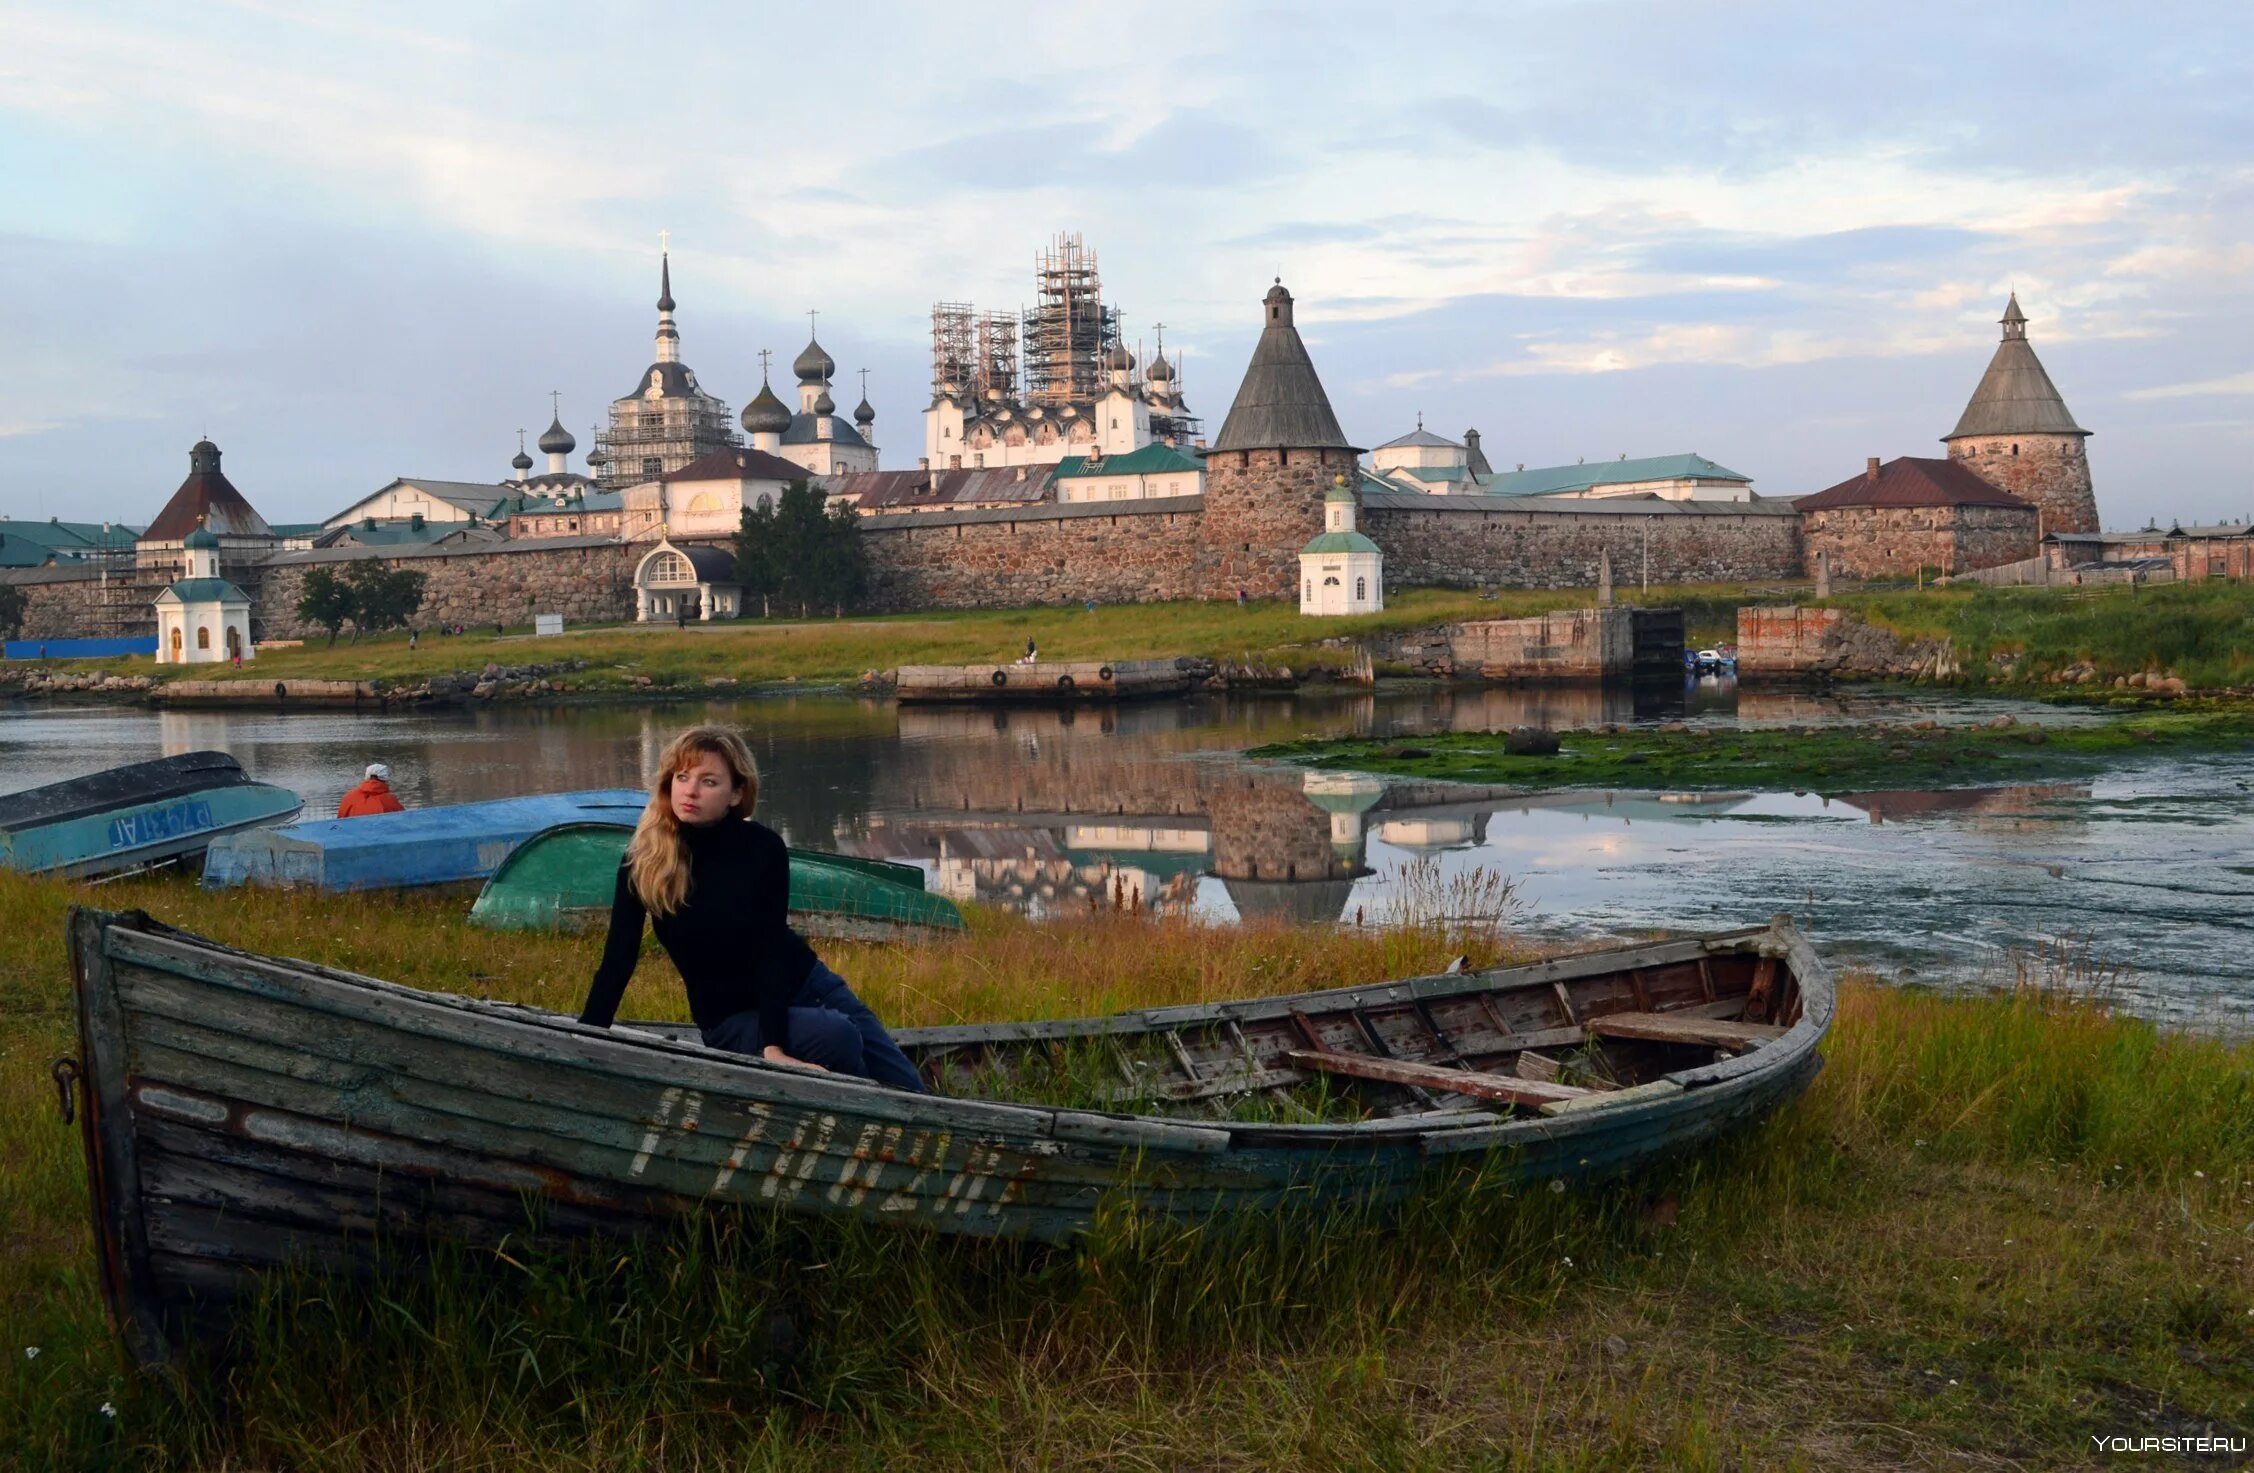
{"x":774,"y":1055}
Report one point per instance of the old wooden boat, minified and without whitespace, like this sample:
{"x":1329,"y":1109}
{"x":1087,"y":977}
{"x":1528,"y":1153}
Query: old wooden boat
{"x":241,"y":1112}
{"x":1043,"y":680}
{"x":140,"y":814}
{"x":444,"y":845}
{"x":562,"y":879}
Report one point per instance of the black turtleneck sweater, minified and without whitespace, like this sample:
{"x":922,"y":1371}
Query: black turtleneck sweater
{"x":731,"y":938}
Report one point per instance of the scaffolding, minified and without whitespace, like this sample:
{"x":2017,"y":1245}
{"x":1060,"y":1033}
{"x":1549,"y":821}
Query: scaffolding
{"x":997,"y":356}
{"x":954,"y":348}
{"x":1069,"y":328}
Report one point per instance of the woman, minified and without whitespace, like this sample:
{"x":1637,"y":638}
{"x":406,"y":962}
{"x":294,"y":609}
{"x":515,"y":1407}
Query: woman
{"x":716,"y":888}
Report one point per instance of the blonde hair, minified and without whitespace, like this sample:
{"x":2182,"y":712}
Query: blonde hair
{"x":657,"y":858}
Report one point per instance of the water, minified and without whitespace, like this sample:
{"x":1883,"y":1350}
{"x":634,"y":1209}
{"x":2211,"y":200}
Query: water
{"x":2146,"y":872}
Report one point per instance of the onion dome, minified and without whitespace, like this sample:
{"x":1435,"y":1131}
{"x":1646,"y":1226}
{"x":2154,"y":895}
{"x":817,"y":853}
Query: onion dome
{"x":201,"y":537}
{"x":814,"y":365}
{"x":1160,"y":370}
{"x":522,"y":462}
{"x":665,"y":282}
{"x":824,"y":404}
{"x":863,"y":413}
{"x":1117,"y":357}
{"x":765,"y":414}
{"x":556,"y":440}
{"x":596,"y":460}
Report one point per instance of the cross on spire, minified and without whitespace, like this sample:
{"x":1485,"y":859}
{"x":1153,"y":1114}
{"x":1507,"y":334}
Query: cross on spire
{"x":764,"y":355}
{"x":864,"y":383}
{"x":555,"y":405}
{"x":664,"y":241}
{"x":811,"y":314}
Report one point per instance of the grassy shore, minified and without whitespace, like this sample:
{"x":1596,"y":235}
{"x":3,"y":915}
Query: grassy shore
{"x":1995,"y":1228}
{"x":2203,"y":632}
{"x":1827,"y":759}
{"x":1268,"y":635}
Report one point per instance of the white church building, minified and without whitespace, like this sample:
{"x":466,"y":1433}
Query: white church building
{"x":202,"y":619}
{"x":1341,"y":571}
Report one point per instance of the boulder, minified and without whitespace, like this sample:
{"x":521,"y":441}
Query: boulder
{"x":1530,"y":741}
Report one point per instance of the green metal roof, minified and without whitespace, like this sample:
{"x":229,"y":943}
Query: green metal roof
{"x":1341,"y":542}
{"x":67,"y":537}
{"x":1548,"y":480}
{"x":205,"y":590}
{"x":1434,"y":472}
{"x":298,"y":529}
{"x":1151,"y":459}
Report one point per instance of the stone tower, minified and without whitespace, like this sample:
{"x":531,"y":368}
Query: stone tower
{"x":1278,"y":453}
{"x":2018,"y":435}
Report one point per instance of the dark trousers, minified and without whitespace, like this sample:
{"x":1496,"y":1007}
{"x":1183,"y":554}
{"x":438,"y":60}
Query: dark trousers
{"x":829,"y":1026}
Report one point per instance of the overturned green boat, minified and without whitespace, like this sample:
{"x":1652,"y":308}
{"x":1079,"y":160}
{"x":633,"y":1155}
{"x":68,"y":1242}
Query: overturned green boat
{"x":562,"y":879}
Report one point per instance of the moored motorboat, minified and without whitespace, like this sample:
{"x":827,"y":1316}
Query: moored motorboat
{"x":563,"y":878}
{"x":140,"y":814}
{"x":243,"y":1112}
{"x":444,"y":845}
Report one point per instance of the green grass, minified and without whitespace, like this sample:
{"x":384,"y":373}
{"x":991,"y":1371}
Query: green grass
{"x":1824,"y":759}
{"x":1994,"y":1228}
{"x":1268,"y":635}
{"x":2203,"y":632}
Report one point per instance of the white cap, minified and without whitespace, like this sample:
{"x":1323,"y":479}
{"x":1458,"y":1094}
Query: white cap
{"x":379,"y":772}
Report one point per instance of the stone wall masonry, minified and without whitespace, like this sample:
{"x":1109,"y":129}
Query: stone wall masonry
{"x":1262,"y":507}
{"x":1896,"y":541}
{"x":585,"y":580}
{"x":1568,"y":644}
{"x":1118,"y":552}
{"x":2052,"y":471}
{"x":1484,"y":542}
{"x":1787,"y":641}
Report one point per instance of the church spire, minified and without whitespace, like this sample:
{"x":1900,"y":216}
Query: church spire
{"x":668,"y":336}
{"x":2014,"y":320}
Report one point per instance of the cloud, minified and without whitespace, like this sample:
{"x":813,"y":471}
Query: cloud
{"x":2236,"y":383}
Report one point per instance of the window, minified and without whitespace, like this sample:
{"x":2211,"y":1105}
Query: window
{"x":670,"y":567}
{"x":1310,"y":593}
{"x":1361,"y":589}
{"x":203,"y":636}
{"x":176,"y":646}
{"x":1330,"y":583}
{"x":653,"y":468}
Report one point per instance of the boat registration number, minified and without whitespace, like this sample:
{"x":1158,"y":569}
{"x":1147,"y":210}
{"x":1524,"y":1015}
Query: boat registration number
{"x":152,"y":825}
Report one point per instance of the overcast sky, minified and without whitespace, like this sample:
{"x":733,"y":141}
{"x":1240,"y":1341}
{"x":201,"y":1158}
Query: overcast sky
{"x":358,"y":242}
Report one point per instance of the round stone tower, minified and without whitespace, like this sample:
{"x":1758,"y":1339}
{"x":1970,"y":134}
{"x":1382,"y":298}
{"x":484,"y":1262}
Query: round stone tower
{"x":1277,"y":455}
{"x":2018,"y":435}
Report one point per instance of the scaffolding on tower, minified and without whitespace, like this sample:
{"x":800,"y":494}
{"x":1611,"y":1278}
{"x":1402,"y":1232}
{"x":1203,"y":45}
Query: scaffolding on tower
{"x":1069,"y":327}
{"x":954,"y":349}
{"x":997,"y":356}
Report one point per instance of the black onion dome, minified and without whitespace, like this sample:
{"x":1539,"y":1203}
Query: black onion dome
{"x":522,"y":461}
{"x":824,"y":404}
{"x":765,"y":414}
{"x":556,"y":440}
{"x":1117,"y":356}
{"x":814,"y":365}
{"x":1160,"y":370}
{"x":863,"y":413}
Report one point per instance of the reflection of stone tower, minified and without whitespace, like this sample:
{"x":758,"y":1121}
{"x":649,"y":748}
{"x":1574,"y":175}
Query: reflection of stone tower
{"x":1278,"y":452}
{"x":1274,"y":849}
{"x":2018,"y":435}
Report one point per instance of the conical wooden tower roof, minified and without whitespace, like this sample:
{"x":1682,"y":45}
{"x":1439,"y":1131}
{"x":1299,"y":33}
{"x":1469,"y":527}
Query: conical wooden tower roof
{"x":1281,"y":403}
{"x":206,"y":499}
{"x":2015,"y":397}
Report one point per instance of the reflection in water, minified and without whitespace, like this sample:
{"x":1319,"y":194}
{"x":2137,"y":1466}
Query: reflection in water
{"x":1142,"y":806}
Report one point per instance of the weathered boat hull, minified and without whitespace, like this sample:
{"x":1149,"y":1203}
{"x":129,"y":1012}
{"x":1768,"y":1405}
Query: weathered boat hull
{"x":562,"y":879}
{"x":1042,"y":681}
{"x":244,"y":1112}
{"x":395,"y":851}
{"x":135,"y":815}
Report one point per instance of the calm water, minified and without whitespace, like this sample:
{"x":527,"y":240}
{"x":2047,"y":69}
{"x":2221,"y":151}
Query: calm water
{"x":2147,"y":872}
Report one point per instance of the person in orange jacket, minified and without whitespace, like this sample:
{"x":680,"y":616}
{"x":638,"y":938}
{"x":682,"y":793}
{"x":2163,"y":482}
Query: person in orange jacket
{"x":372,"y":796}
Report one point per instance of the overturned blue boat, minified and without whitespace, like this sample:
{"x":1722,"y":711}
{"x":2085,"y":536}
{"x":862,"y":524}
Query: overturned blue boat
{"x":141,"y":814}
{"x":398,"y":851}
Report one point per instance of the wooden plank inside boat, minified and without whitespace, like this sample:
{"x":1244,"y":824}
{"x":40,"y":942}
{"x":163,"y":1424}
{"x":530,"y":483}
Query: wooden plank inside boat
{"x":1670,"y":1028}
{"x":1532,"y":1092}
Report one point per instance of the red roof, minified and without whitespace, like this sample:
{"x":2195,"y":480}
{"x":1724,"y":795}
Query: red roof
{"x":1913,"y":481}
{"x":739,"y":464}
{"x":206,"y":499}
{"x":925,"y":490}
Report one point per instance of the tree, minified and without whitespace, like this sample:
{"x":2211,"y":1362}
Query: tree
{"x":841,"y":565}
{"x":757,"y":567}
{"x":326,"y":601}
{"x":801,"y":525}
{"x":12,"y":602}
{"x":383,"y":598}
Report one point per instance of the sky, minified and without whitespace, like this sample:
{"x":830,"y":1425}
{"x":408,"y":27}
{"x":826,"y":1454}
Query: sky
{"x":353,"y":243}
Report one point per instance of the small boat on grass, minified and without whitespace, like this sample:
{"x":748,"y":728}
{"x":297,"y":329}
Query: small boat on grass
{"x":243,"y":1112}
{"x":141,"y":814}
{"x":1043,"y":681}
{"x":562,"y":879}
{"x":396,"y":851}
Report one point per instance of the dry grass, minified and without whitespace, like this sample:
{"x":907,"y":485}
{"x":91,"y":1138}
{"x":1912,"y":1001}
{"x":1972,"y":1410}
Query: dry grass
{"x":1993,"y":1228}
